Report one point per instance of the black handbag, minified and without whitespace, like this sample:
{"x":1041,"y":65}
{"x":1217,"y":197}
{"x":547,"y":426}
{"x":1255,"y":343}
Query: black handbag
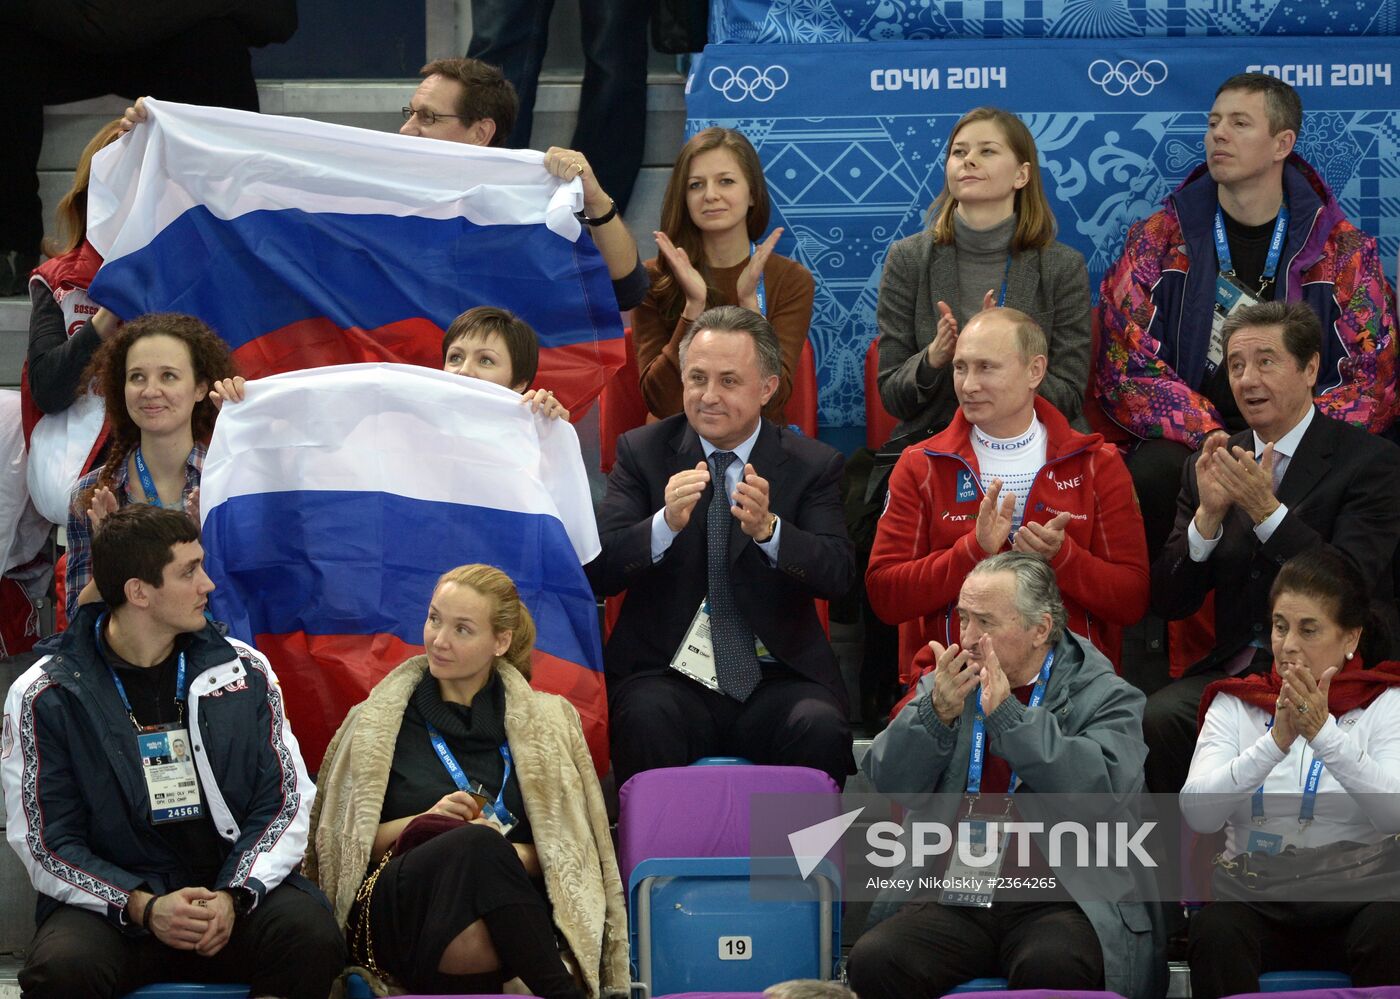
{"x":1313,"y":886}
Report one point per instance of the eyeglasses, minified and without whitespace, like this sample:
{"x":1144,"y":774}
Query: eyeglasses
{"x":428,"y":118}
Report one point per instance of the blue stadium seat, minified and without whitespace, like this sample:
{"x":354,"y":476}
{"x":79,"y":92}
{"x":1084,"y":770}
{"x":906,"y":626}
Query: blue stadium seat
{"x":1301,"y":981}
{"x":188,"y":990}
{"x":981,"y":985}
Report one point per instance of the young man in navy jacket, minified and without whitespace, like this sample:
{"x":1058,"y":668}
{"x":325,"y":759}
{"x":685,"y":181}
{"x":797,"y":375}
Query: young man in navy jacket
{"x":154,"y":864}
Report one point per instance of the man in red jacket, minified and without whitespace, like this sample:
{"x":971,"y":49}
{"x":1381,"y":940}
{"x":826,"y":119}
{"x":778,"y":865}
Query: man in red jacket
{"x":1007,"y":473}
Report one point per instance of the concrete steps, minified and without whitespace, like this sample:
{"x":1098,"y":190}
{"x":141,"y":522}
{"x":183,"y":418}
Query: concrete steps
{"x":366,"y":104}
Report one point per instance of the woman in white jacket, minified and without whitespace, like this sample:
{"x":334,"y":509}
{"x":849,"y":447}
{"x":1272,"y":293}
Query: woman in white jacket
{"x":1304,"y":756}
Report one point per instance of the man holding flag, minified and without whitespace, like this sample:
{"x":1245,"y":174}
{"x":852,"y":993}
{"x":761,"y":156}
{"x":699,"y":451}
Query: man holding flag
{"x":305,"y":244}
{"x":469,"y":101}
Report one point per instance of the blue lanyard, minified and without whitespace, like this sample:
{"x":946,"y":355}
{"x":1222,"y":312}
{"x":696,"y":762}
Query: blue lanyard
{"x":1222,"y":246}
{"x":1001,"y":298}
{"x":759,"y":292}
{"x":459,"y":776}
{"x":978,"y":757}
{"x":121,"y":689}
{"x":148,"y":484}
{"x":1305,"y":810}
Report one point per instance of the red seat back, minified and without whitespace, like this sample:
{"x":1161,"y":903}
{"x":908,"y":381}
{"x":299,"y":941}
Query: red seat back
{"x":879,"y":424}
{"x":801,"y":408}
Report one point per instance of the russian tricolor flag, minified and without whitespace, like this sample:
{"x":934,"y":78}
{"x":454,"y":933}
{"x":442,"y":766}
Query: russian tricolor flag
{"x":332,"y":499}
{"x":304,"y":243}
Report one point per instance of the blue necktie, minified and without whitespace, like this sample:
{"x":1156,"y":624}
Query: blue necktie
{"x":736,"y":664}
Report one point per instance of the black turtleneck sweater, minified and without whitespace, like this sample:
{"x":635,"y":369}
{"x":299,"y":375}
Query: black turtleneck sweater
{"x":417,"y":778}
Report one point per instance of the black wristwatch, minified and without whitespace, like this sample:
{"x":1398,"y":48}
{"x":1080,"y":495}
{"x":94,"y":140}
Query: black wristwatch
{"x":243,"y":900}
{"x":600,"y":220}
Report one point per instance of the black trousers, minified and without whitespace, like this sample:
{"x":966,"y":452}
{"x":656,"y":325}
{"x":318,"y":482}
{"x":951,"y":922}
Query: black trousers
{"x":1156,"y":467}
{"x":424,"y":898}
{"x":288,"y":946}
{"x":1231,"y":944}
{"x":1169,"y":728}
{"x":208,"y":64}
{"x":612,"y":107}
{"x":668,"y":720}
{"x":927,"y":949}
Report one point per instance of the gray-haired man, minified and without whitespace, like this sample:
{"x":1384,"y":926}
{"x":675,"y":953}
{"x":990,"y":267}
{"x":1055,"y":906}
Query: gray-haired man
{"x":1056,"y":717}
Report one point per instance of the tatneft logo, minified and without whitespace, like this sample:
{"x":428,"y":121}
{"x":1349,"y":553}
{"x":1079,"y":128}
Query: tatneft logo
{"x":748,"y":81}
{"x":1127,"y":76}
{"x":1098,"y":844}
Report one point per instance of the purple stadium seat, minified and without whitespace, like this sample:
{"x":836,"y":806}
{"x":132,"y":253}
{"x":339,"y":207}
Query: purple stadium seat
{"x":700,"y":811}
{"x":1380,"y":992}
{"x":1035,"y":994}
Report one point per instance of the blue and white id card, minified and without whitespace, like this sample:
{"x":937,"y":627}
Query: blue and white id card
{"x":167,"y":763}
{"x":972,"y":884}
{"x":1229,"y":297}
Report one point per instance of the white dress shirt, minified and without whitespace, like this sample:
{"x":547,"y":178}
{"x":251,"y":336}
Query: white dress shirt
{"x":1284,"y":450}
{"x":661,"y":533}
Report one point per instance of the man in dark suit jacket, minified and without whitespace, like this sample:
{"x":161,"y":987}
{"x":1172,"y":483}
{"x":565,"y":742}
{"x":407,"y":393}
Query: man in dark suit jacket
{"x":771,"y":542}
{"x":1295,"y":480}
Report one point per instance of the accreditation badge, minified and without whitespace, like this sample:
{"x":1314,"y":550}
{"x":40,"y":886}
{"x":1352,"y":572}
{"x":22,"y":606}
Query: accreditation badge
{"x":1262,"y":842}
{"x":974,"y":866}
{"x":167,"y":763}
{"x":695,"y":657}
{"x":1229,"y":298}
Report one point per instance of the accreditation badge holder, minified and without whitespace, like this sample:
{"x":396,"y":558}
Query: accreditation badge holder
{"x":168,"y":766}
{"x":973,"y":884}
{"x":695,"y":657}
{"x":1229,"y":297}
{"x":1262,"y":842}
{"x":500,"y":819}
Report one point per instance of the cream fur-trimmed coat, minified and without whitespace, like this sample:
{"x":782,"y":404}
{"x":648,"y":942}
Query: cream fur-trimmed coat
{"x":557,"y":782}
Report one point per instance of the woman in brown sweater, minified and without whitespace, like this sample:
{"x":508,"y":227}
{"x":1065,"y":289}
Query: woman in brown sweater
{"x":714,"y":213}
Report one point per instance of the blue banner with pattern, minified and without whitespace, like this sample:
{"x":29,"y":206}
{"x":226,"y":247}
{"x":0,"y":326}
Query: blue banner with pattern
{"x":851,"y":138}
{"x":807,"y":22}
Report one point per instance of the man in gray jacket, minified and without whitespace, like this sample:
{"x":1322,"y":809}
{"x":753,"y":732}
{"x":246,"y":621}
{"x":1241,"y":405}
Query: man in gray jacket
{"x":1056,"y":720}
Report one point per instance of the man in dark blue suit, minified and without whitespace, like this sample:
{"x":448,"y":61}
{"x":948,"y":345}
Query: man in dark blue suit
{"x":718,"y":649}
{"x":1295,"y":480}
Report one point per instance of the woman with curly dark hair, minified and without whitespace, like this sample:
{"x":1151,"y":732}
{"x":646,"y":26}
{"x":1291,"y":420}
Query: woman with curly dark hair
{"x":154,"y":376}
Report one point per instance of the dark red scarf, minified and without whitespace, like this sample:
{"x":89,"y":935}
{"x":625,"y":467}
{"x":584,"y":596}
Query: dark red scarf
{"x":1354,"y":687}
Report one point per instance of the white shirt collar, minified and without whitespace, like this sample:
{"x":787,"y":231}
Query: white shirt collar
{"x":742,"y":452}
{"x":1287,"y":445}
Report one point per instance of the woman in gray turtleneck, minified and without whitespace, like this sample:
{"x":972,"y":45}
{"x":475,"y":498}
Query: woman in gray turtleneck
{"x":991,"y":241}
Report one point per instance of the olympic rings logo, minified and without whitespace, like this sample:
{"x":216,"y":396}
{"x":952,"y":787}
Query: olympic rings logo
{"x":748,"y":81}
{"x":1127,"y":76}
